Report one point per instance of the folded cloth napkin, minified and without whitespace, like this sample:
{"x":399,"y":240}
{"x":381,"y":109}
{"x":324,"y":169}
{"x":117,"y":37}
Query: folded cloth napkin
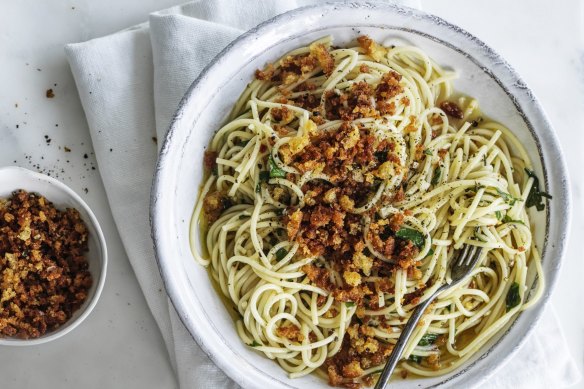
{"x":130,"y":84}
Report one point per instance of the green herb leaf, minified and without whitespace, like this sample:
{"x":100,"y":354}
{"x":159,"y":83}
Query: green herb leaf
{"x":258,"y":188}
{"x":507,"y":219}
{"x":275,"y":171}
{"x":428,"y":339}
{"x":415,"y":358}
{"x":535,"y":196}
{"x":507,"y":197}
{"x":244,"y":143}
{"x":381,"y":156}
{"x":281,"y":253}
{"x":264,"y":176}
{"x":499,"y":215}
{"x":436,"y":176}
{"x":349,"y":304}
{"x":513,"y":298}
{"x":430,"y":253}
{"x":415,"y":236}
{"x":428,"y":152}
{"x":255,"y":344}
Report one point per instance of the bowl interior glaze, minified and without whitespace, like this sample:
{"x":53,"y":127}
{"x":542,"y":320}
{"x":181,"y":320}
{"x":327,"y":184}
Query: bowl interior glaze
{"x":502,"y":95}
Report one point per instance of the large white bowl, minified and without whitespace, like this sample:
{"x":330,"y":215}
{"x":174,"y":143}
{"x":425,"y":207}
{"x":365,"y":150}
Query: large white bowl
{"x":483,"y":74}
{"x":13,"y":178}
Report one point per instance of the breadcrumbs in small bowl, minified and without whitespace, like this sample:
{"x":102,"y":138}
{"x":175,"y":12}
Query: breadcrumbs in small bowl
{"x":52,"y":258}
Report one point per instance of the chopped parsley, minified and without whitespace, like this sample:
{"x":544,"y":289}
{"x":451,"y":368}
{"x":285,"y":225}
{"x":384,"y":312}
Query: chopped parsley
{"x":428,"y":152}
{"x":415,"y":236}
{"x":415,"y":358}
{"x":255,"y":344}
{"x":436,"y":176}
{"x":281,"y":253}
{"x":507,"y":197}
{"x":507,"y":219}
{"x":535,"y":196}
{"x":381,"y":155}
{"x":513,"y":298}
{"x":499,"y":215}
{"x":428,"y":339}
{"x":264,"y":176}
{"x":349,"y":304}
{"x":275,"y":171}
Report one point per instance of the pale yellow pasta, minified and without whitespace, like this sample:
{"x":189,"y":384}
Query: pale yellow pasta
{"x":474,"y":194}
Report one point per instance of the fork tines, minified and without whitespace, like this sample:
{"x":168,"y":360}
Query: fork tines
{"x":469,"y":255}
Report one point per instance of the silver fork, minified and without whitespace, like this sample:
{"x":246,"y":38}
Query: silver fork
{"x":460,"y":268}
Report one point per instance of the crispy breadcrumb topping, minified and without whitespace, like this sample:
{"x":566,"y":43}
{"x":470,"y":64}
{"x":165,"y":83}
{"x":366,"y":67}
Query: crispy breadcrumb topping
{"x":330,"y":224}
{"x":44,"y":276}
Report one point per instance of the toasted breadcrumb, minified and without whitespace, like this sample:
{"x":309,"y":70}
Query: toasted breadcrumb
{"x":44,"y":276}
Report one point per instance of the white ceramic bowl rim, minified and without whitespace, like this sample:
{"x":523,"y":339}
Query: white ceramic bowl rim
{"x":100,"y":240}
{"x":489,"y":61}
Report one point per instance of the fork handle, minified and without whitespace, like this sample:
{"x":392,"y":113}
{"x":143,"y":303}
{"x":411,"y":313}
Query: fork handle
{"x":402,"y":341}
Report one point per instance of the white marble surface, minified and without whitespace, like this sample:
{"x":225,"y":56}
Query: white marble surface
{"x":119,"y":345}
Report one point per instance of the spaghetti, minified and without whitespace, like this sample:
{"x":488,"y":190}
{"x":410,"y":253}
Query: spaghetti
{"x":336,"y":193}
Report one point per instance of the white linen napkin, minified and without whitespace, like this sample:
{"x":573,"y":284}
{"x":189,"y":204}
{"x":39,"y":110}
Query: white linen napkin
{"x":130,"y":84}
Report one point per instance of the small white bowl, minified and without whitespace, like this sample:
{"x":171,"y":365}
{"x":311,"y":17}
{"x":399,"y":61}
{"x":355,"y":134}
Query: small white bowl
{"x":13,"y":178}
